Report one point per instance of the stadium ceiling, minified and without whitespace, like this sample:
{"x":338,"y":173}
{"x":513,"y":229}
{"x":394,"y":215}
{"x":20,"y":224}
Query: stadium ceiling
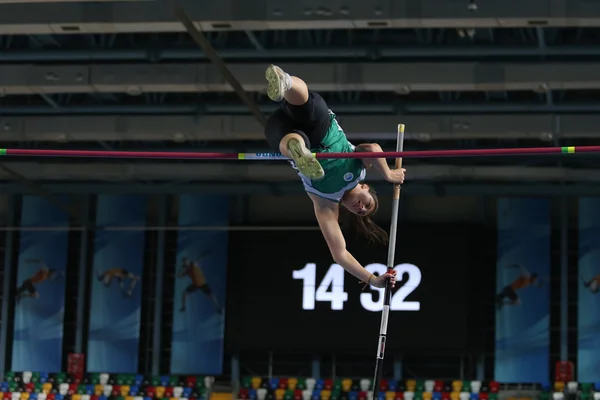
{"x":231,"y":128}
{"x":280,"y":173}
{"x":54,"y":17}
{"x":401,"y":78}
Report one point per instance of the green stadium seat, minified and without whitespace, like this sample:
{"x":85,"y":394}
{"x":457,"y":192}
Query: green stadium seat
{"x":544,"y":396}
{"x":585,"y":396}
{"x":466,"y":386}
{"x":493,"y":396}
{"x":420,"y":386}
{"x":337,"y":386}
{"x":301,"y":384}
{"x":289,"y":395}
{"x":586,"y":387}
{"x":155,"y":380}
{"x":60,"y":377}
{"x":9,"y":376}
{"x":94,"y":379}
{"x":246,"y":382}
{"x":174,"y":380}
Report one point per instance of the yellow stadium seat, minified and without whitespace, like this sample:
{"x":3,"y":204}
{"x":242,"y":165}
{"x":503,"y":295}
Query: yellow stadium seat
{"x":411,"y":384}
{"x":457,"y":386}
{"x":455,"y":396}
{"x":256,"y":381}
{"x":279,"y":393}
{"x":25,"y":396}
{"x":346,"y":385}
{"x":427,"y":395}
{"x":128,"y":397}
{"x":76,"y":397}
{"x":47,"y":388}
{"x":160,"y":392}
{"x":559,"y":386}
{"x":98,"y":390}
{"x":292,"y":383}
{"x":125,"y":391}
{"x":390,"y":395}
{"x":1,"y":395}
{"x":325,"y":394}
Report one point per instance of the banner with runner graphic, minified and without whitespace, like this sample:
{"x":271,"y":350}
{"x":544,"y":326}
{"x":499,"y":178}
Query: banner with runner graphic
{"x":588,"y":320}
{"x":523,"y":290}
{"x":40,"y":292}
{"x":201,"y":271}
{"x":115,"y":314}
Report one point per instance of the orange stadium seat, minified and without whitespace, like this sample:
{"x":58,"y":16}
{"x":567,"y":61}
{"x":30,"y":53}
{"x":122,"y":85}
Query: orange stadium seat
{"x":427,"y":395}
{"x":457,"y":386}
{"x":346,"y":385}
{"x":292,"y":383}
{"x":279,"y":393}
{"x":411,"y":384}
{"x":455,"y":396}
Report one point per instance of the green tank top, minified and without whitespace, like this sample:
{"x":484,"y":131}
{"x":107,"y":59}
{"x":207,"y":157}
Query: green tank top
{"x":341,"y":174}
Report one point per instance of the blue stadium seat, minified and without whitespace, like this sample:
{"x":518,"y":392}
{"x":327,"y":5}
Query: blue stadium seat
{"x":43,"y":377}
{"x":164,"y":381}
{"x":381,"y":395}
{"x":274,"y":383}
{"x":597,"y":387}
{"x":102,"y":397}
{"x":474,"y":396}
{"x":187,"y":392}
{"x":316,"y":394}
{"x":147,"y":398}
{"x":134,"y":390}
{"x":252,"y":394}
{"x":33,"y":396}
{"x":58,"y":396}
{"x":89,"y":389}
{"x":392,"y":385}
{"x":353,"y":395}
{"x":436,"y":396}
{"x":320,"y":384}
{"x":138,"y":380}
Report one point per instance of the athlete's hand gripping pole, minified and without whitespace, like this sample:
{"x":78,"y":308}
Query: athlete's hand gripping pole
{"x":390,"y":267}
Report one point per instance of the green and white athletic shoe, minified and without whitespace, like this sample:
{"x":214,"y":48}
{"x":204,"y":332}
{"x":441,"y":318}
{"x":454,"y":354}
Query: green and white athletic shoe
{"x":305,"y":161}
{"x":279,"y":82}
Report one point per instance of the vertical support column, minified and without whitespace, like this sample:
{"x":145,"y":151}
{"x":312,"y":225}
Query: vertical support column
{"x":564,"y":279}
{"x":235,"y":373}
{"x":316,"y":367}
{"x":480,"y":367}
{"x":398,"y":368}
{"x":6,"y":287}
{"x":83,"y":278}
{"x":159,"y":282}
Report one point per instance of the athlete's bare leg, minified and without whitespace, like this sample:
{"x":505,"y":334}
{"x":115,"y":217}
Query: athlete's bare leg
{"x":292,"y":89}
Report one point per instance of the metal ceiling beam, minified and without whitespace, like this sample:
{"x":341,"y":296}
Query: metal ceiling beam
{"x":218,"y":63}
{"x":296,"y":189}
{"x":452,"y":52}
{"x":281,"y":172}
{"x":329,"y":77}
{"x":543,"y":127}
{"x":151,"y":16}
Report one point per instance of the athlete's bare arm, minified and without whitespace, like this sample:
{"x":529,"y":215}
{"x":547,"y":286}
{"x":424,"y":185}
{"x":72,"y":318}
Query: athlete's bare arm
{"x":380,"y":164}
{"x":327,"y":213}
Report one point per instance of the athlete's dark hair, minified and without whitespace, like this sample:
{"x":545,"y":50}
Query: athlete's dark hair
{"x":364,"y":224}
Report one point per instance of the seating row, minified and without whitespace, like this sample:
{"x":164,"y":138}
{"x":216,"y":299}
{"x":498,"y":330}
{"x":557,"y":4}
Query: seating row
{"x":317,"y":394}
{"x":363,"y":385}
{"x":109,"y":379}
{"x":574,"y":387}
{"x":105,"y":390}
{"x":58,"y":396}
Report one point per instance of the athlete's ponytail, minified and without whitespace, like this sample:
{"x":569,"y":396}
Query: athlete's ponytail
{"x":365,"y":226}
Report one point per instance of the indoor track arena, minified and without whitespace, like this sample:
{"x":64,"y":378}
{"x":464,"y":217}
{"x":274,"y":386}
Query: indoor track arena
{"x":299,"y":200}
